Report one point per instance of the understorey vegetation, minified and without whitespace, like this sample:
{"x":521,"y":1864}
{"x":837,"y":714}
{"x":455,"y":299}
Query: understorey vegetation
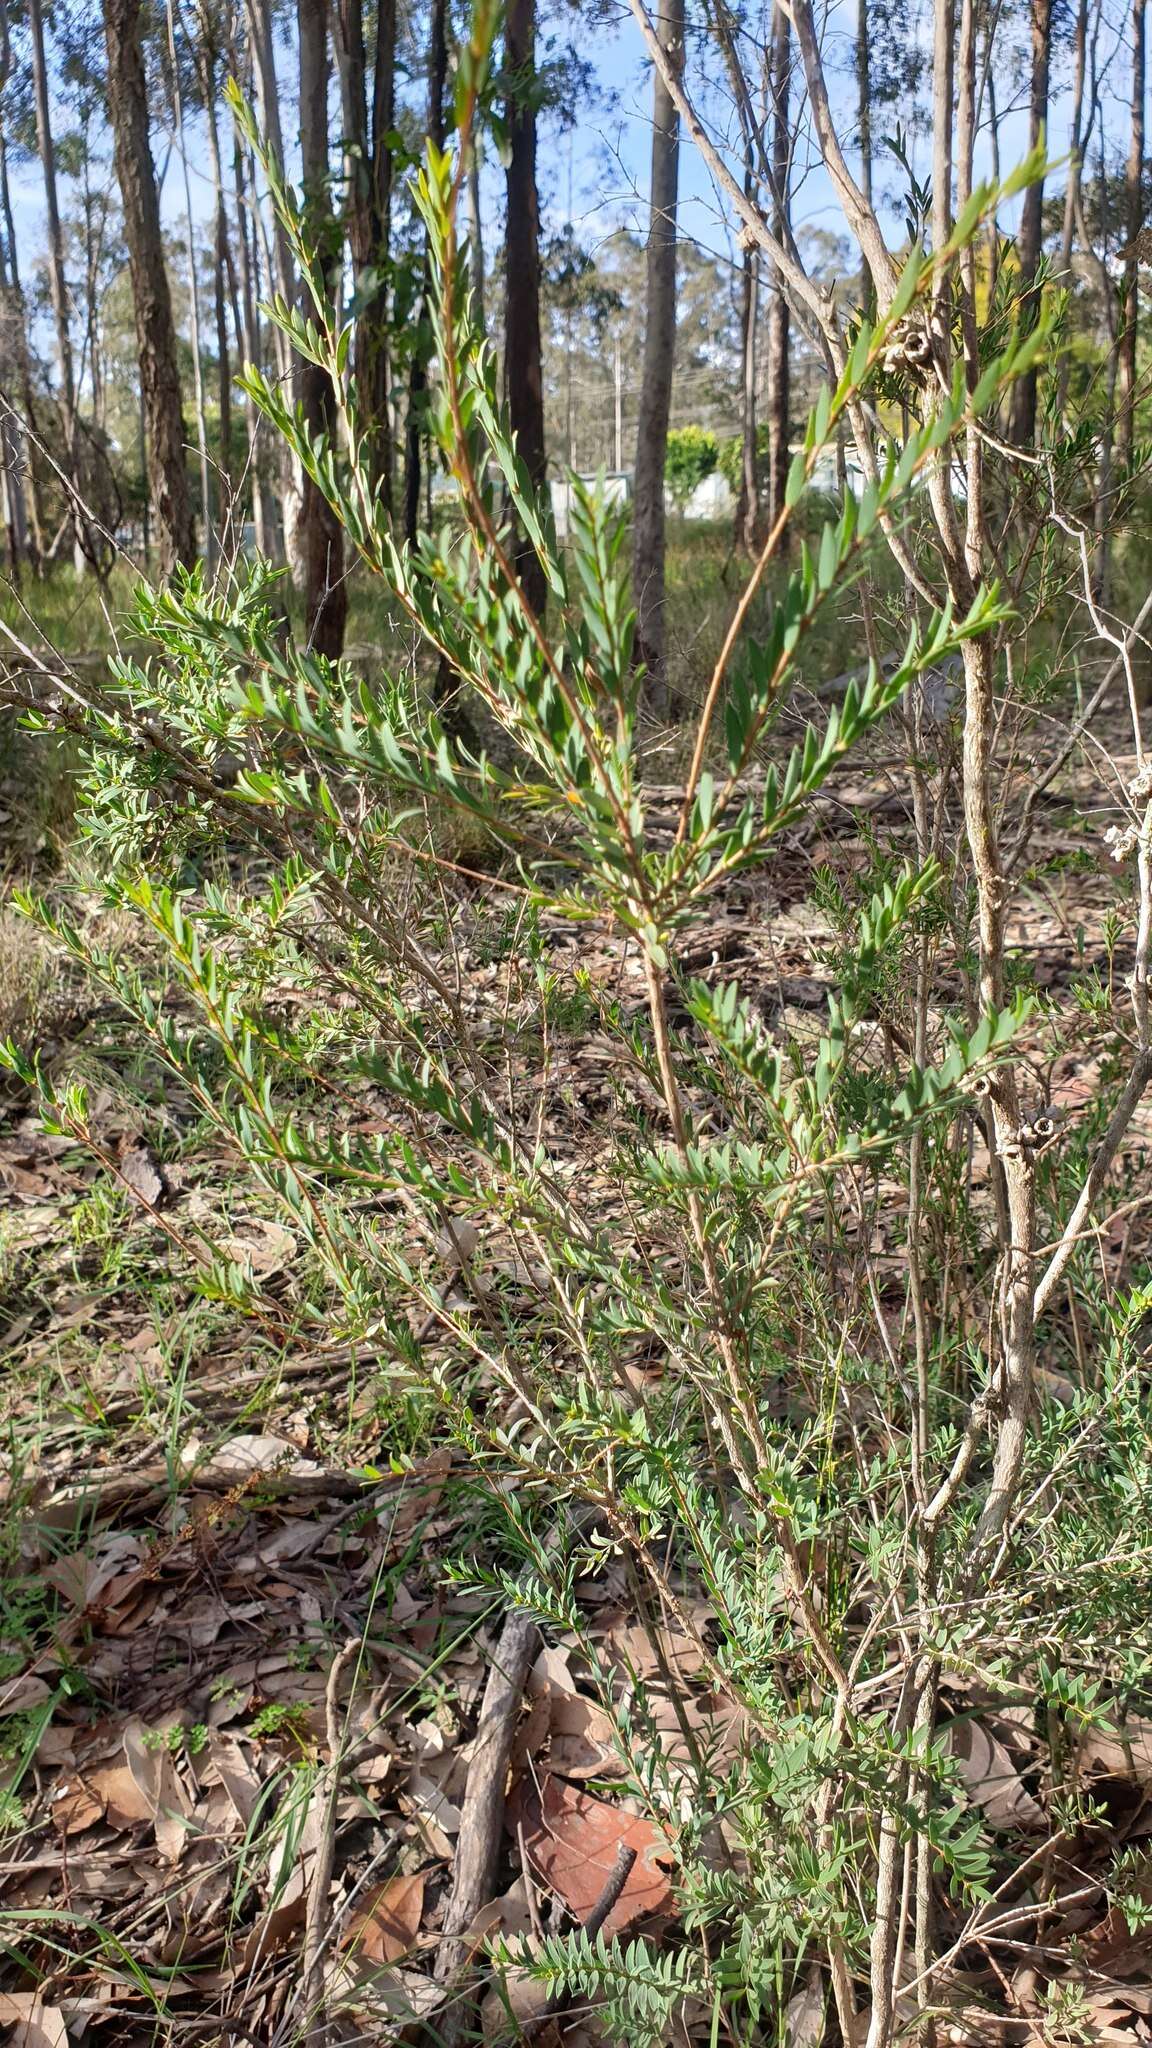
{"x":703,"y":1172}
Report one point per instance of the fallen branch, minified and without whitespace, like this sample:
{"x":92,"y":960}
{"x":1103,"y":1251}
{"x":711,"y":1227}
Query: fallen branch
{"x":482,"y":1816}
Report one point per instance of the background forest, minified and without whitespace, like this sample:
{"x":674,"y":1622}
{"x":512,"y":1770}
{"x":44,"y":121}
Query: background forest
{"x":575,"y":1024}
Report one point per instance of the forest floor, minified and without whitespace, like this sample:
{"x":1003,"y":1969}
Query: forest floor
{"x":227,"y":1645}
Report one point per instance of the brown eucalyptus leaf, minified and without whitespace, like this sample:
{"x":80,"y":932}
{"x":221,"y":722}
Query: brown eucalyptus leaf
{"x":142,"y":1174}
{"x":991,"y":1779}
{"x":388,"y":1923}
{"x":572,"y":1840}
{"x":33,"y":2024}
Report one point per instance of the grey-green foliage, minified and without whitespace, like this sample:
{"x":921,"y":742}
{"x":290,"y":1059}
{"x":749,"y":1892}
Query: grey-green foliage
{"x":228,"y":735}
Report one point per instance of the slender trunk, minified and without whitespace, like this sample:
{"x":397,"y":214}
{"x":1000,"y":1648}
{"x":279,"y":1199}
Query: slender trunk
{"x":155,"y":333}
{"x":648,"y":542}
{"x":1072,"y":189}
{"x":1029,"y":239}
{"x":1134,"y":226}
{"x":56,"y":277}
{"x":321,"y":534}
{"x":994,"y":157}
{"x":15,"y":369}
{"x":864,"y":123}
{"x":259,"y":16}
{"x":263,"y":63}
{"x":523,"y":355}
{"x":748,"y":501}
{"x":368,"y":172}
{"x":418,"y":374}
{"x":207,"y":530}
{"x":13,"y":454}
{"x":223,"y":275}
{"x":476,"y":229}
{"x":1102,"y":510}
{"x":263,"y":518}
{"x":779,"y":329}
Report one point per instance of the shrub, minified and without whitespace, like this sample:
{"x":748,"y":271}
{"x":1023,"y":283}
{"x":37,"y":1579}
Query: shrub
{"x":799,"y":1497}
{"x":692,"y":455}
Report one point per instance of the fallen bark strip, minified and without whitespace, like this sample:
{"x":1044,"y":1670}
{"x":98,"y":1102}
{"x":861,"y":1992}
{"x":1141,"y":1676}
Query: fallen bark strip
{"x":482,"y":1814}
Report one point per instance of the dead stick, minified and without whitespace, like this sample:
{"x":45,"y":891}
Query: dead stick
{"x":323,"y":1814}
{"x":614,"y":1884}
{"x":618,"y":1877}
{"x":482,"y":1815}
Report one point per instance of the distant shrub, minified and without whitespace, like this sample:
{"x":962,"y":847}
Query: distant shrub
{"x":693,"y":453}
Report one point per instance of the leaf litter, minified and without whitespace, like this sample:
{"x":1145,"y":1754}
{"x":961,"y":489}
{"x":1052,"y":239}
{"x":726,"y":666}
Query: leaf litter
{"x":165,"y":1708}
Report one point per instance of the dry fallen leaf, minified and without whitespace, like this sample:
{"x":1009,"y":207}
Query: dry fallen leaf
{"x":33,"y":2024}
{"x":246,"y":1457}
{"x":259,"y":1247}
{"x":804,"y":2016}
{"x":125,"y":1805}
{"x":235,"y":1774}
{"x":572,"y":1841}
{"x":387,"y":1925}
{"x":142,"y":1173}
{"x":506,"y":1917}
{"x":18,"y":1695}
{"x":75,"y":1807}
{"x":1123,"y":1752}
{"x":991,"y":1779}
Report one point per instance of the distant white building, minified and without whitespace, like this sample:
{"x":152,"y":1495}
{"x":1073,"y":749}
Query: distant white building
{"x":616,"y":485}
{"x":711,"y":499}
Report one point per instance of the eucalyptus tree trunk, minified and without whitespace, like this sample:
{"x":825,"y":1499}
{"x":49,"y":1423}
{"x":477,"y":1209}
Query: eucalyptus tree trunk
{"x":864,"y":125}
{"x":13,"y":448}
{"x":418,"y":373}
{"x":17,"y":419}
{"x":368,"y":169}
{"x":57,"y":280}
{"x":1134,"y":226}
{"x":155,"y":333}
{"x":263,"y":66}
{"x":207,"y":529}
{"x":523,"y":357}
{"x":476,"y":229}
{"x":264,"y":525}
{"x":1072,"y":189}
{"x":321,"y":536}
{"x":748,"y":499}
{"x":779,"y":322}
{"x":1029,"y":239}
{"x":648,"y":533}
{"x":208,"y":66}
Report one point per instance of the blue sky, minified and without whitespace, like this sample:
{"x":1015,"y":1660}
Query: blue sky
{"x":603,"y":162}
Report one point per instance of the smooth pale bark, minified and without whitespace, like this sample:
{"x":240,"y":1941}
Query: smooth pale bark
{"x":264,"y":525}
{"x":223,"y":277}
{"x":368,"y":171}
{"x":155,"y":334}
{"x":13,"y":450}
{"x":748,"y":499}
{"x":15,"y":380}
{"x":263,"y":65}
{"x":523,"y":359}
{"x":648,"y":532}
{"x":1072,"y":189}
{"x":418,"y":373}
{"x":1029,"y":239}
{"x":320,"y":534}
{"x":864,"y":124}
{"x":206,"y":528}
{"x":1134,"y":225}
{"x":57,"y":281}
{"x":476,"y":230}
{"x":779,"y":324}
